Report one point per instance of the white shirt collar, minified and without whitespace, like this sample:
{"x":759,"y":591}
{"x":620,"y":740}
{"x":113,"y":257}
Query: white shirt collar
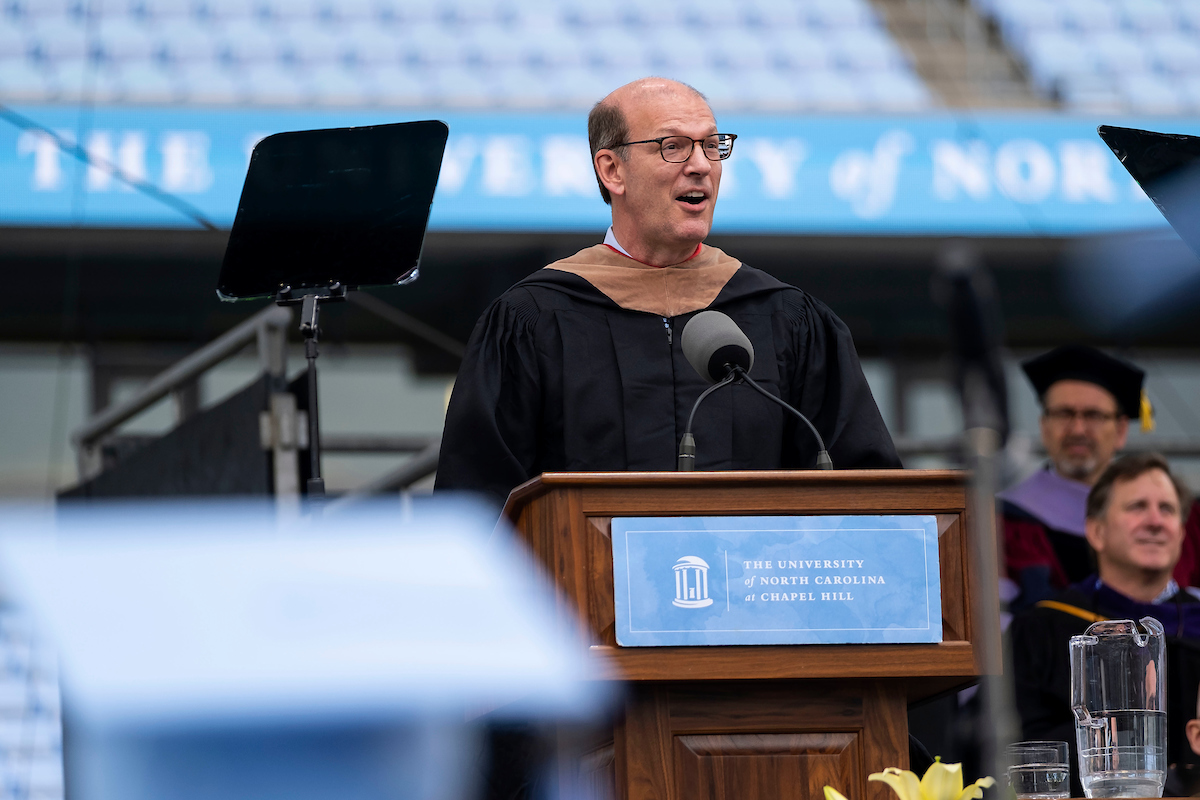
{"x":610,"y":239}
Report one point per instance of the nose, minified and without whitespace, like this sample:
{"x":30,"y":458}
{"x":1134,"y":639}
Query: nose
{"x":1077,"y":424}
{"x":697,"y":163}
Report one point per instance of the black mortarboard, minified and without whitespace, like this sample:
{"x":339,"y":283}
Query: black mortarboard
{"x":1082,"y":363}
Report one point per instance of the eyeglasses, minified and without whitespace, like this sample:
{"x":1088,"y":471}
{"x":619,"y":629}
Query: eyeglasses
{"x":1091,"y":417}
{"x":677,"y":149}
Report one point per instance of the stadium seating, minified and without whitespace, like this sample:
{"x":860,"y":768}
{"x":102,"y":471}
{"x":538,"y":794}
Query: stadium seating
{"x":1110,"y":55}
{"x":785,"y":55}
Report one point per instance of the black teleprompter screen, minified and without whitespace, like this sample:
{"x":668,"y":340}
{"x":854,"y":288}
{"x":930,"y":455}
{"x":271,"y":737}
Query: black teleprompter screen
{"x":342,"y":206}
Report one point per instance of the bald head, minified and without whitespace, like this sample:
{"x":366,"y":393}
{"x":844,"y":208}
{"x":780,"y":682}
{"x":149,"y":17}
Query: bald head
{"x":608,"y":122}
{"x":650,"y":90}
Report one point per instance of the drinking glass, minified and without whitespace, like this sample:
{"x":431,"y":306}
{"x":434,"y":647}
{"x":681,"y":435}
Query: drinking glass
{"x":1039,"y":770}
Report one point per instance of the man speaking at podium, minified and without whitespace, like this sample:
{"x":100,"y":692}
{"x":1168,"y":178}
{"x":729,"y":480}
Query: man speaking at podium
{"x":579,"y":366}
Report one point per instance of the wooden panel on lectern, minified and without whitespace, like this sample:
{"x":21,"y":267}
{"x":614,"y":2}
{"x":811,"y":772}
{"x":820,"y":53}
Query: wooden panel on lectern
{"x":783,"y":765}
{"x":739,"y":740}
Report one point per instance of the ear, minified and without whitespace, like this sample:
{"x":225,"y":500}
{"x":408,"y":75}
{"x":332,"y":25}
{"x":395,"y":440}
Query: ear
{"x":1094,"y":531}
{"x":1193,"y":735}
{"x":1122,"y":431}
{"x":610,"y":168}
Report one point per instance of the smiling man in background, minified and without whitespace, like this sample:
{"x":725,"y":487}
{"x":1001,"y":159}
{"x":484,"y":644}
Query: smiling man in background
{"x":1135,"y":528}
{"x":579,"y":366}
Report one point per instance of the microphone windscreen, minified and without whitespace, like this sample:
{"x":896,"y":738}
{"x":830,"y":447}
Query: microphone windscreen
{"x":711,"y":341}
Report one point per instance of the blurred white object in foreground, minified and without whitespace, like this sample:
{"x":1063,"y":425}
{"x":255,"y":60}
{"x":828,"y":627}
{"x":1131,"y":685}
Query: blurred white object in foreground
{"x":217,"y":651}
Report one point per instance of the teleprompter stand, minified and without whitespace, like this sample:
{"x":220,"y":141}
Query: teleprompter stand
{"x":326,"y":211}
{"x":310,"y":312}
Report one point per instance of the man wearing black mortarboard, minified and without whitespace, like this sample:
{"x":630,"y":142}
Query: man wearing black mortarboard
{"x":1088,"y":398}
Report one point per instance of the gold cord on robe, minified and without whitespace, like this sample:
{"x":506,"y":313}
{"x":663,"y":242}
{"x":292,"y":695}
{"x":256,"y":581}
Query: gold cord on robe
{"x":666,"y":291}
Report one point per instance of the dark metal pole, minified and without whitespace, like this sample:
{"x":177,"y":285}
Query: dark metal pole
{"x":967,"y":293}
{"x":309,"y":315}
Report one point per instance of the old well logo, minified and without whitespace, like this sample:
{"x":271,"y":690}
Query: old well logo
{"x":691,"y":583}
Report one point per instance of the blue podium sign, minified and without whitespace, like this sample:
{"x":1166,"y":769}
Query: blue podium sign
{"x":776,"y":580}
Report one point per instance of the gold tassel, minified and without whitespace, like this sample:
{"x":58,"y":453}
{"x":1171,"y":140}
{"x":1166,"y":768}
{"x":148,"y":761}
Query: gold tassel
{"x":1146,"y":414}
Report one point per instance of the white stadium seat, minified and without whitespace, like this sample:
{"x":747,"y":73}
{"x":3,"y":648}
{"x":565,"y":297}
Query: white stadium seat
{"x":348,"y":10}
{"x":311,"y":42}
{"x":555,"y":48}
{"x":163,"y":10}
{"x":1153,"y":94}
{"x":33,"y":10}
{"x":1149,"y":16}
{"x":1189,"y":91}
{"x":680,"y":48}
{"x":802,"y":50}
{"x":1119,"y":51}
{"x":14,"y":40}
{"x":738,"y":49}
{"x":895,"y":90}
{"x":83,"y":80}
{"x":495,"y":44}
{"x":771,"y":15}
{"x":56,"y":39}
{"x":1177,"y":53}
{"x":334,"y":84}
{"x":226,"y":10}
{"x":147,"y":82}
{"x":460,"y":87}
{"x":1091,"y":15}
{"x":395,"y":85}
{"x":521,"y":87}
{"x":367,"y":43}
{"x":249,"y":42}
{"x":270,"y":84}
{"x":286,"y":11}
{"x":211,"y":84}
{"x":831,"y":90}
{"x":1092,"y":93}
{"x":865,"y":49}
{"x":123,"y":39}
{"x":618,"y":49}
{"x":1052,"y":55}
{"x":184,"y":42}
{"x":841,"y":13}
{"x":22,"y":81}
{"x":430,"y":44}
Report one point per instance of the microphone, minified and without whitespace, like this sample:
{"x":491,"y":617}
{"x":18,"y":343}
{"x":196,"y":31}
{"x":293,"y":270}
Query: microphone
{"x":722,"y":354}
{"x":712,"y":342}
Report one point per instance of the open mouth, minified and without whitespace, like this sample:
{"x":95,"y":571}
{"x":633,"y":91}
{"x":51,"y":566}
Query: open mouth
{"x":693,"y":198}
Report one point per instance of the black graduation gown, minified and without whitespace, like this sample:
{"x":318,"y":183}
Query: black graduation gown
{"x":1042,"y":663}
{"x":558,"y":377}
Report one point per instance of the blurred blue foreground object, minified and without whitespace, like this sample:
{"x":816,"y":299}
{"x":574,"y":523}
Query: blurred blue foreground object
{"x":217,"y":651}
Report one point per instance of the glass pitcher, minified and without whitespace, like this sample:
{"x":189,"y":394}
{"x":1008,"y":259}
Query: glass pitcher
{"x":1118,"y":694}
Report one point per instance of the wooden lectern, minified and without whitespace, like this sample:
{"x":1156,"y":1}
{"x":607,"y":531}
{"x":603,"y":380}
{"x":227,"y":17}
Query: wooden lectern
{"x":746,"y":722}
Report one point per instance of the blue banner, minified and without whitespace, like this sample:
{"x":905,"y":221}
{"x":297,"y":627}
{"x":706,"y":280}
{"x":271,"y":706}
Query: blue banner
{"x":776,"y":580}
{"x":985,"y":174}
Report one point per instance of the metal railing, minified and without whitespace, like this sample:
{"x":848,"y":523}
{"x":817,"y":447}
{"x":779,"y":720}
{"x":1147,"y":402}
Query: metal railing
{"x":267,"y":329}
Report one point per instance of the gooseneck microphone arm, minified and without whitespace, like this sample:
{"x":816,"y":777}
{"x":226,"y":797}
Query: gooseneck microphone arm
{"x":823,"y":459}
{"x":721,"y":353}
{"x":686,"y":461}
{"x":687,"y":446}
